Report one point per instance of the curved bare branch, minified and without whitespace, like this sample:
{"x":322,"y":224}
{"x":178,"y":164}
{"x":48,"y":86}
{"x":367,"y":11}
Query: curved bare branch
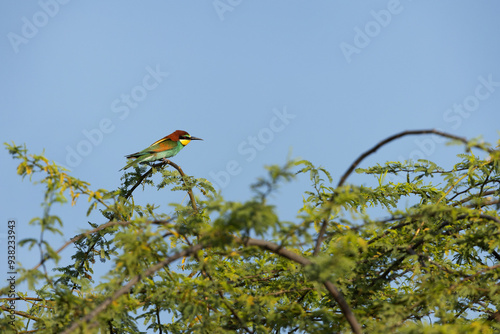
{"x":399,"y":135}
{"x":353,"y":166}
{"x":159,"y":165}
{"x":346,"y":310}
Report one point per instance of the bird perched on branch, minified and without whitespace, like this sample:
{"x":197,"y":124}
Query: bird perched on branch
{"x":162,"y":149}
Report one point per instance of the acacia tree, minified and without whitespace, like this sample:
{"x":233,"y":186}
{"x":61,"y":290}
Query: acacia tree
{"x":220,"y":266}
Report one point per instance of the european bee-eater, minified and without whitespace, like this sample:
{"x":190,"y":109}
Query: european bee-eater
{"x":162,"y":149}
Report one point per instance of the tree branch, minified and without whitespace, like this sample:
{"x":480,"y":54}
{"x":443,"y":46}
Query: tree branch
{"x":353,"y":166}
{"x":190,"y":190}
{"x":181,"y":172}
{"x":82,"y":235}
{"x":267,"y":245}
{"x":399,"y":135}
{"x":346,"y":310}
{"x":288,"y":291}
{"x":411,"y":248}
{"x":127,"y":287}
{"x":129,"y":193}
{"x":19,"y":313}
{"x":158,"y":318}
{"x":99,"y":228}
{"x":470,"y":277}
{"x":320,"y":239}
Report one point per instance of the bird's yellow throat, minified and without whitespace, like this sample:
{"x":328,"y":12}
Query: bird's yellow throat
{"x":184,"y":141}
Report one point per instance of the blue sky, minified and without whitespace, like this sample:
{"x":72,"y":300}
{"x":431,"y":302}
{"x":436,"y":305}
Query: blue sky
{"x":92,"y":81}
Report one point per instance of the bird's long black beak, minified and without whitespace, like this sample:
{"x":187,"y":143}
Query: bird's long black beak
{"x":195,"y":138}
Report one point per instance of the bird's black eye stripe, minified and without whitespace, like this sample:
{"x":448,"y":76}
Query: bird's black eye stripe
{"x":186,"y":137}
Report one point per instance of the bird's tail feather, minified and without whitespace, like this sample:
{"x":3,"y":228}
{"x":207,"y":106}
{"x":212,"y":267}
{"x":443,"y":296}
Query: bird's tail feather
{"x":133,"y":162}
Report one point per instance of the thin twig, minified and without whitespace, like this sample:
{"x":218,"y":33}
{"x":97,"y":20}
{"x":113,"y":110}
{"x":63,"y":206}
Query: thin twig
{"x":399,"y":135}
{"x":181,"y":172}
{"x":353,"y":166}
{"x":19,"y":313}
{"x":470,"y":277}
{"x":279,"y":250}
{"x":206,"y":274}
{"x":31,"y":331}
{"x":495,"y":202}
{"x":232,"y":310}
{"x":129,"y":193}
{"x":190,"y":190}
{"x":110,"y":324}
{"x":421,"y":241}
{"x":321,"y":234}
{"x":78,"y":237}
{"x":24,"y":299}
{"x":158,"y":318}
{"x":288,"y":291}
{"x":99,"y":228}
{"x":127,"y":287}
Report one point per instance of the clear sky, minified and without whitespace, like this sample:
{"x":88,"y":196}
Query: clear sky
{"x":92,"y":81}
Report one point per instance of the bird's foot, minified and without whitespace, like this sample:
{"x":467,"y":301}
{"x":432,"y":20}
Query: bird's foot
{"x":165,"y":160}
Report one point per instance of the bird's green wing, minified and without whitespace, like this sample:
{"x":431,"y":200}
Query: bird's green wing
{"x":158,"y":146}
{"x":161,"y":145}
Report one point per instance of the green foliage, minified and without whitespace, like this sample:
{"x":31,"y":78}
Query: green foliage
{"x":429,"y":263}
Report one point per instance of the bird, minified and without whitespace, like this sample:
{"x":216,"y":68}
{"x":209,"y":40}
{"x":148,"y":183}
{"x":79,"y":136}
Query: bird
{"x":161,"y":149}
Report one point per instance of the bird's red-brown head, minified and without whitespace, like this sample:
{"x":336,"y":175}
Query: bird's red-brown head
{"x":182,"y":136}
